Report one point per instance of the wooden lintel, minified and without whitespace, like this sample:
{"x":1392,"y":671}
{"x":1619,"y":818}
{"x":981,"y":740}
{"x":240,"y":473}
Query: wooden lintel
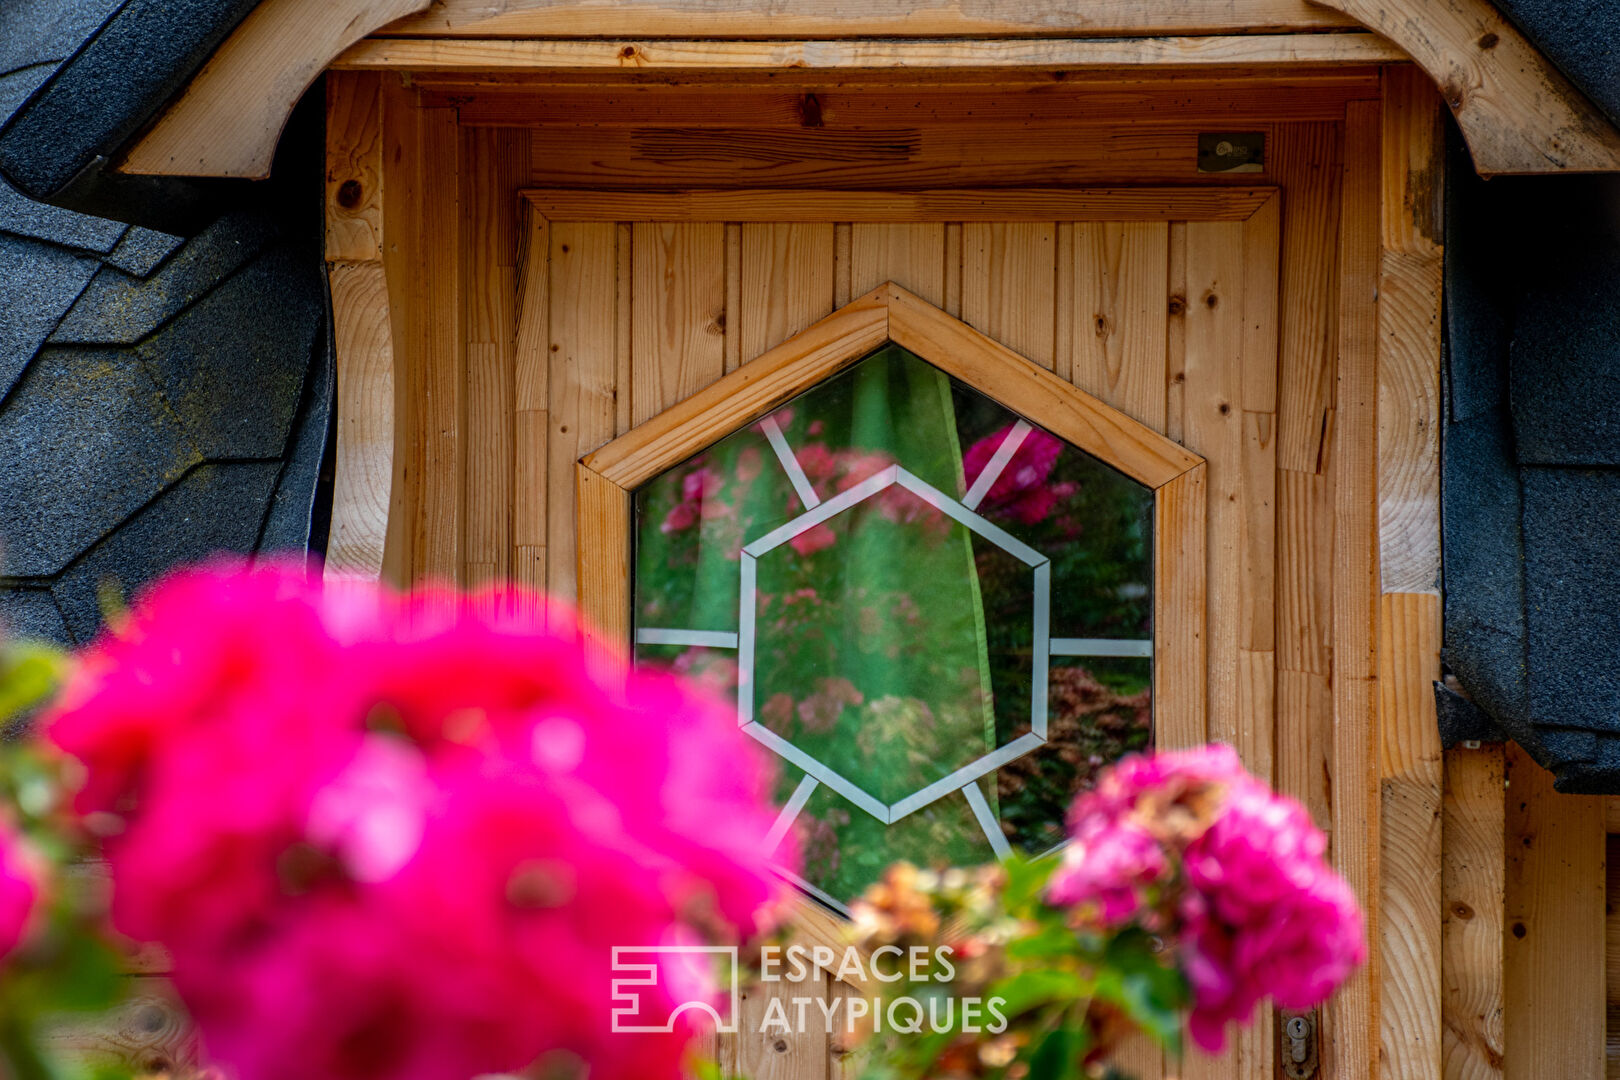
{"x":1517,"y":112}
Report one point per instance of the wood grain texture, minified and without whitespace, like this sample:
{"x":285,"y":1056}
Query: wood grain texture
{"x":900,"y":157}
{"x":1552,"y":964}
{"x":1473,"y":883}
{"x":830,"y":18}
{"x":998,"y":206}
{"x":1306,"y":162}
{"x":227,"y":120}
{"x":148,"y":1033}
{"x":1411,"y":1041}
{"x":531,"y":402}
{"x":678,"y":313}
{"x":912,"y":256}
{"x":1213,"y":428}
{"x":603,"y":576}
{"x":1611,"y":956}
{"x":421,"y":215}
{"x":786,"y":282}
{"x":583,"y":380}
{"x":364,"y":468}
{"x":353,"y":167}
{"x":1117,"y":336}
{"x":1179,"y":603}
{"x":903,"y":57}
{"x":1517,"y":112}
{"x":1353,"y":1013}
{"x":495,"y":163}
{"x":1409,"y":356}
{"x":1088,"y":98}
{"x":1411,"y":766}
{"x":1008,"y":285}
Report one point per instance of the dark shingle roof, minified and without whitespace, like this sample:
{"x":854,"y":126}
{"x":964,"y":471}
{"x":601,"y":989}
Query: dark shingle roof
{"x":1531,"y":482}
{"x":161,"y":398}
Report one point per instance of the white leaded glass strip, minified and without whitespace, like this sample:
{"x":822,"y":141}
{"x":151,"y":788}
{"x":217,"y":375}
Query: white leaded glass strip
{"x":1082,"y":646}
{"x":996,"y":465}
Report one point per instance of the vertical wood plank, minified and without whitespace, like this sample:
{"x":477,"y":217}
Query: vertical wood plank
{"x":1009,"y":281}
{"x":1120,"y":318}
{"x":734,"y":302}
{"x":1411,"y":759}
{"x":1305,"y":161}
{"x":1354,"y":1012}
{"x":532,"y":379}
{"x":1552,"y":967}
{"x":1409,"y":296}
{"x":911,"y":256}
{"x":604,"y":569}
{"x":1473,"y":882}
{"x":583,"y":376}
{"x":786,"y":282}
{"x":422,"y":263}
{"x":353,"y":166}
{"x":1179,"y":668}
{"x":496,"y":167}
{"x":843,"y":266}
{"x":363,"y":472}
{"x":1175,"y":361}
{"x":1213,"y":428}
{"x":1411,"y":763}
{"x":767,"y":1051}
{"x":677,"y":329}
{"x":1611,"y":956}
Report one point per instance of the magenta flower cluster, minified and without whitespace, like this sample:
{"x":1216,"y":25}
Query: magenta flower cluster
{"x":1233,"y":875}
{"x":19,"y":887}
{"x":389,"y":837}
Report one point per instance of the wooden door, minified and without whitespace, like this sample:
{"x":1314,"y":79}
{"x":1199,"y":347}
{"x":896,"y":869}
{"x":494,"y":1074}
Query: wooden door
{"x":1162,"y":304}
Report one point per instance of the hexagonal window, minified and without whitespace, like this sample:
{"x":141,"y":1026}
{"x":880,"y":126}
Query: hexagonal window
{"x":938,"y":610}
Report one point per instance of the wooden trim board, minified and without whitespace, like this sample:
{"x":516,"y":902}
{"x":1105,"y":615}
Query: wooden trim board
{"x":907,"y":57}
{"x":952,"y":204}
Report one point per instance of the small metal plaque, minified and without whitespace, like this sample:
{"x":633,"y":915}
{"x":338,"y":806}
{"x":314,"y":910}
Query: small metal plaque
{"x":1231,"y":151}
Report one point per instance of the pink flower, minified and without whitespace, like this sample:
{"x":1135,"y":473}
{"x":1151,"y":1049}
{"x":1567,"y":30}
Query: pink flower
{"x":1021,"y":489}
{"x":19,"y":888}
{"x":813,"y":539}
{"x":1232,"y":873}
{"x":399,"y":838}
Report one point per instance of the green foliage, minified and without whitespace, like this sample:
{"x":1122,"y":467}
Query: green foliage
{"x":67,"y":966}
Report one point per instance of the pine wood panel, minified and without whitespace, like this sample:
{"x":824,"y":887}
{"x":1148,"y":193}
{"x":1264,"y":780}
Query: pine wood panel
{"x":365,"y":403}
{"x":495,"y":161}
{"x":1552,"y":963}
{"x":911,"y":256}
{"x":1008,"y":285}
{"x":1117,"y":336}
{"x":1411,"y":766}
{"x":1473,"y":883}
{"x":532,"y":394}
{"x":901,"y":157}
{"x":1353,"y":1011}
{"x":678,"y":304}
{"x":787,"y":276}
{"x":828,"y":18}
{"x":583,"y":378}
{"x":911,"y":61}
{"x":1089,"y":98}
{"x":1409,"y":292}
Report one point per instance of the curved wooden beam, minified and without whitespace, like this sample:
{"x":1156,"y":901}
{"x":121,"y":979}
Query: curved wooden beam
{"x":230,"y":116}
{"x":1517,"y":112}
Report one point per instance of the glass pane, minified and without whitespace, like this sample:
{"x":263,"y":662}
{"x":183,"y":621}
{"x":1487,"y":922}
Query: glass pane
{"x":937,"y":614}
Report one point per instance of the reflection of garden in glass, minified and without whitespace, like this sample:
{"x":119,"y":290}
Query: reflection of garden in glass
{"x":895,"y":642}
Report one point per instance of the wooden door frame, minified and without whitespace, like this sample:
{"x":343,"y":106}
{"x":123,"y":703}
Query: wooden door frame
{"x":402,"y":296}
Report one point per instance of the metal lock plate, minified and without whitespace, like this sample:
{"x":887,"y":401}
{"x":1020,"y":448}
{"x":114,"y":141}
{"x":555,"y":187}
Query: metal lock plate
{"x":1296,"y":1036}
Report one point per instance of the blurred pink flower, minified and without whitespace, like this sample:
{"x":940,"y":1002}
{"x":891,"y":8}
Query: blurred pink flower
{"x":1021,"y":489}
{"x":816,"y":538}
{"x":19,"y":887}
{"x":398,"y":838}
{"x":1192,"y":846}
